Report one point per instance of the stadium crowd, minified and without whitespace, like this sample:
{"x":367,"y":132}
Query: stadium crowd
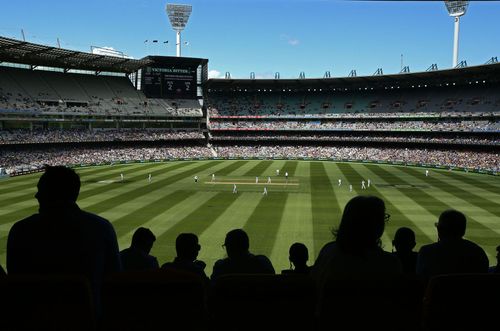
{"x":440,"y":125}
{"x":448,"y":158}
{"x":15,"y":161}
{"x":19,"y":160}
{"x":494,"y":141}
{"x":25,"y":136}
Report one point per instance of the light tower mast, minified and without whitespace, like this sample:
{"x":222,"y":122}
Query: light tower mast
{"x":178,"y":16}
{"x":456,"y":9}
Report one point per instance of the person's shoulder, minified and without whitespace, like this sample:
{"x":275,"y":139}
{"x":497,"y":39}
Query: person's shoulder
{"x":427,"y":248}
{"x":25,"y":223}
{"x":473,"y":246}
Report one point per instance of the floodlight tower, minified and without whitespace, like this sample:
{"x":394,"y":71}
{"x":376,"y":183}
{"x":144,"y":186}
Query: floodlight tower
{"x":178,"y":16}
{"x":456,"y":9}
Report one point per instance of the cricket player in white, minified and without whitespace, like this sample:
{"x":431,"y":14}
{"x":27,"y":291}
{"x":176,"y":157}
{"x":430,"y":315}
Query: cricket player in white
{"x":121,"y":176}
{"x":269,"y":179}
{"x":196,"y":179}
{"x":369,"y":182}
{"x":256,"y":180}
{"x":363,"y":187}
{"x":340,"y":182}
{"x":149,"y":178}
{"x":426,"y":173}
{"x":277,"y":172}
{"x":213,"y":177}
{"x":265,"y":191}
{"x":234,"y":188}
{"x":350,"y":187}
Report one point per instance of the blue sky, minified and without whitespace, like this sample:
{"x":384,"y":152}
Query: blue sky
{"x":268,"y":36}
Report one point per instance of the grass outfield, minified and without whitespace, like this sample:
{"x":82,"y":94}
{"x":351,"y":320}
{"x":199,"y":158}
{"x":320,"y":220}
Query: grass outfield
{"x":305,"y":209}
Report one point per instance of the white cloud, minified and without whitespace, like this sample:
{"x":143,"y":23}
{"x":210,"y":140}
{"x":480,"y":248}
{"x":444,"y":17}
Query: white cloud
{"x":214,"y":74}
{"x":290,"y":40}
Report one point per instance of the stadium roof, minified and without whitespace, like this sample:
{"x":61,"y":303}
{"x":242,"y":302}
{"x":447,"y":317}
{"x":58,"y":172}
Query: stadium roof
{"x":459,"y":76}
{"x":17,"y":51}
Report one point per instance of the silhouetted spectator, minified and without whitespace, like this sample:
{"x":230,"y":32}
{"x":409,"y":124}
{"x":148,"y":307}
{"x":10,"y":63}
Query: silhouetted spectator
{"x":404,"y":242}
{"x":298,"y":256}
{"x":356,"y":253}
{"x":62,"y":238}
{"x":137,"y":257}
{"x":452,"y":253}
{"x":496,"y":268}
{"x":187,"y":248}
{"x":239,"y":260}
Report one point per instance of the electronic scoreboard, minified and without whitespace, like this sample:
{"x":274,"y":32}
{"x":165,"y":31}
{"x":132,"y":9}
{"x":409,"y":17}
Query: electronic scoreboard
{"x":173,"y":77}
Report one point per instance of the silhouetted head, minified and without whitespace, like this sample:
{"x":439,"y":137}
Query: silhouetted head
{"x":187,"y":246}
{"x":404,"y":240}
{"x":362,"y":225}
{"x":236,"y":243}
{"x":498,"y":255}
{"x":57,"y":186}
{"x":143,"y":240}
{"x":451,"y":224}
{"x":298,"y":254}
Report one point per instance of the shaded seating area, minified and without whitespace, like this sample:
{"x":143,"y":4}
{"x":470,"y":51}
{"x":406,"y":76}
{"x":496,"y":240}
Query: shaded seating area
{"x":153,"y":300}
{"x":44,"y":302}
{"x":168,"y":300}
{"x":371,"y":305}
{"x":462,"y":302}
{"x":263,"y":302}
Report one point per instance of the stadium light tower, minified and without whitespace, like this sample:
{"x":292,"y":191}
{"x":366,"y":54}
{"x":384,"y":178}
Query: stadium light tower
{"x":178,"y":16}
{"x":456,"y":9}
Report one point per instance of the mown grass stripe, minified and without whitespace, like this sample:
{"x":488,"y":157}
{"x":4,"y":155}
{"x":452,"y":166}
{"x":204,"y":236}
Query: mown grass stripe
{"x":259,"y":168}
{"x":106,"y":204}
{"x":129,"y":180}
{"x":230,"y":168}
{"x":458,"y":192}
{"x":396,"y":213}
{"x":199,"y":220}
{"x":325,"y":208}
{"x":138,"y":217}
{"x":429,"y":203}
{"x":24,"y":211}
{"x":91,"y":171}
{"x":263,"y":224}
{"x":17,"y":188}
{"x":471,"y":181}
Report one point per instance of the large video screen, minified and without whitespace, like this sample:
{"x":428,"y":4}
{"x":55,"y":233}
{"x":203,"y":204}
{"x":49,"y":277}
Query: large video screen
{"x":170,"y":80}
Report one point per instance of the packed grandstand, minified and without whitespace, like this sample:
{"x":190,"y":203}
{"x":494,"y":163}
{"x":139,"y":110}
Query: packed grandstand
{"x":65,"y":107}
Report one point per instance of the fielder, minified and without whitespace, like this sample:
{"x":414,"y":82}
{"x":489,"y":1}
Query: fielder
{"x":269,"y":179}
{"x":234,"y":189}
{"x":340,"y":182}
{"x":265,"y":191}
{"x":350,"y":187}
{"x":426,"y":173}
{"x":149,"y":178}
{"x":196,"y":179}
{"x":121,"y":177}
{"x":256,"y":180}
{"x":277,"y":172}
{"x":363,"y":186}
{"x":369,"y":182}
{"x":213,"y":177}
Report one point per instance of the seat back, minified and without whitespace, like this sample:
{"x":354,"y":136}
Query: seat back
{"x":153,"y":300}
{"x":46,"y":302}
{"x":263,"y":302}
{"x":371,"y":305}
{"x":462,"y":302}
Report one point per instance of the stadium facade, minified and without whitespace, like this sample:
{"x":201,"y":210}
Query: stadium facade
{"x":56,"y":102}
